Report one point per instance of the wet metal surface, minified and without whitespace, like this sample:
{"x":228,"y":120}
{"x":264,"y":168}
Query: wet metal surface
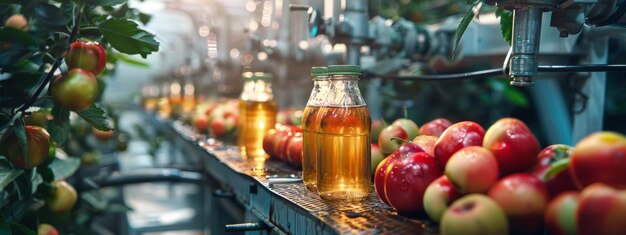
{"x":291,"y":208}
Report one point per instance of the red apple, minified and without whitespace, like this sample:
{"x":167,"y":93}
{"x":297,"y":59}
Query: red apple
{"x":280,"y":146}
{"x":601,"y":210}
{"x":523,"y":199}
{"x":294,"y":150}
{"x":600,"y":158}
{"x":269,"y":140}
{"x":46,"y":229}
{"x":435,"y":127}
{"x":218,"y":127}
{"x":561,"y":181}
{"x":560,"y":215}
{"x":474,"y":214}
{"x":513,"y":144}
{"x":427,"y":143}
{"x":406,"y":181}
{"x":387,"y":143}
{"x":457,"y":136}
{"x":201,"y":123}
{"x":438,"y":197}
{"x":377,"y":126}
{"x":86,"y":55}
{"x":376,"y":157}
{"x":472,"y":169}
{"x":408,"y":125}
{"x":381,"y":171}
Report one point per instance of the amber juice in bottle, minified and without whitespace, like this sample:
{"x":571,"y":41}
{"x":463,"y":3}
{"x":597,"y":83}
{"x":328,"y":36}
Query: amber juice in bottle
{"x":260,"y":116}
{"x":257,"y":114}
{"x":343,"y":145}
{"x":248,"y":87}
{"x":310,"y":124}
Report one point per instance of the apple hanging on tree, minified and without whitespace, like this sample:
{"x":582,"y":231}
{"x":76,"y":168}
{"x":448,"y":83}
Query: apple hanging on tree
{"x":76,"y":91}
{"x":89,"y":56}
{"x":38,"y":141}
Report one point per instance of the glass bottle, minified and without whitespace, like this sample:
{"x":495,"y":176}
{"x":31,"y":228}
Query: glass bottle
{"x":248,"y":86}
{"x":310,"y":124}
{"x":343,"y":164}
{"x":257,"y":112}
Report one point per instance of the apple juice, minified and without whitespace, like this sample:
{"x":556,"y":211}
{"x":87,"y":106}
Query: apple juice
{"x":241,"y":139}
{"x":259,"y":117}
{"x":310,"y":123}
{"x":343,"y":143}
{"x":257,"y":114}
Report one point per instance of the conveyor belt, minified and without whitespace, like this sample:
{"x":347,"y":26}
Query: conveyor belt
{"x":291,"y":208}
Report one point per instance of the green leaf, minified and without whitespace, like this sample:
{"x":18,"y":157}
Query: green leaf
{"x":35,"y":181}
{"x":556,"y":168}
{"x":96,"y":117}
{"x":506,"y":23}
{"x":58,"y":43}
{"x":126,"y":36}
{"x":13,"y":35}
{"x":460,"y":30}
{"x":144,"y":18}
{"x":106,"y":2}
{"x":15,"y":45}
{"x":46,"y":173}
{"x":515,"y":96}
{"x":5,"y":120}
{"x":12,"y":98}
{"x":8,"y":175}
{"x":101,"y":88}
{"x":44,"y":102}
{"x":24,"y":66}
{"x":21,"y":229}
{"x":64,"y":168}
{"x":21,"y":80}
{"x":5,"y":228}
{"x":59,"y":126}
{"x":18,"y":129}
{"x":49,"y":14}
{"x":130,"y":60}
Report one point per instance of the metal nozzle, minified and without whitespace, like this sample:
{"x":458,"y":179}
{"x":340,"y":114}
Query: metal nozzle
{"x":526,"y":35}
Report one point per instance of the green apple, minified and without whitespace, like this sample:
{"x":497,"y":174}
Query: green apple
{"x":62,"y":198}
{"x":409,"y":126}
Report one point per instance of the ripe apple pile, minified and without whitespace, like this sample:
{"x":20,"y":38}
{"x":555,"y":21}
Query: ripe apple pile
{"x":216,"y":117}
{"x":498,"y":181}
{"x":284,"y":143}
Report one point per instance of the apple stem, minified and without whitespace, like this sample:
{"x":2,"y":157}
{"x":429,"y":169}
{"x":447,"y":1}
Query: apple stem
{"x":403,"y":141}
{"x":406,"y":112}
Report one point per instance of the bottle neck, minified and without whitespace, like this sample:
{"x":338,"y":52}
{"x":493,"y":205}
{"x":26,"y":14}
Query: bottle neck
{"x":257,"y":90}
{"x":344,"y":91}
{"x":319,"y":92}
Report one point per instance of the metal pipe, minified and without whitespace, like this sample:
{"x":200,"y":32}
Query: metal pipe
{"x":356,"y":16}
{"x":526,"y":35}
{"x":243,"y":227}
